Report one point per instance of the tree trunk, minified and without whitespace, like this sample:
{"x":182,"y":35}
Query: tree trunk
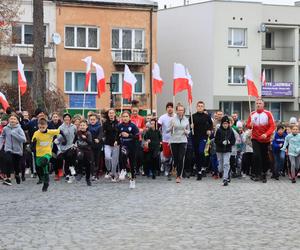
{"x":39,"y":82}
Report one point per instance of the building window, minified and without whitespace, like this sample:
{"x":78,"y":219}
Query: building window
{"x":82,"y":37}
{"x":269,"y":73}
{"x":75,"y":81}
{"x":269,"y":42}
{"x":117,"y":80}
{"x":22,"y":34}
{"x":28,"y":75}
{"x":236,"y":75}
{"x":275,"y":108}
{"x":128,"y":39}
{"x":229,"y":108}
{"x":237,"y":37}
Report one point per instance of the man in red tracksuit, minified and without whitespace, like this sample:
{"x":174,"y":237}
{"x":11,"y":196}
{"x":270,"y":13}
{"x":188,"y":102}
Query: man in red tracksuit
{"x":262,"y":124}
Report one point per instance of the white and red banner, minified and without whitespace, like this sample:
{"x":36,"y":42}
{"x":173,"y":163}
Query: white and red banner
{"x":180,"y":80}
{"x":157,"y":81}
{"x":3,"y":101}
{"x":128,"y":84}
{"x":252,"y":90}
{"x":88,"y":62}
{"x":100,"y":79}
{"x":21,"y":77}
{"x":190,"y":86}
{"x":263,"y":78}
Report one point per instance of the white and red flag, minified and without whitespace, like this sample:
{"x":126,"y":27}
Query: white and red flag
{"x":3,"y":101}
{"x":157,"y":81}
{"x":181,"y":81}
{"x":21,"y":77}
{"x":100,"y":79}
{"x":252,"y":90}
{"x":128,"y":84}
{"x":88,"y":62}
{"x":263,"y":78}
{"x":190,"y":86}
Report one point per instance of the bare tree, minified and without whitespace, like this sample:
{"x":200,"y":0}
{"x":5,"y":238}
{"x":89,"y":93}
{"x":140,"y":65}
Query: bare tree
{"x":39,"y":82}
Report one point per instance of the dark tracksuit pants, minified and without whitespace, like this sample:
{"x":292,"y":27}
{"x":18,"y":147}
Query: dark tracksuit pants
{"x":12,"y":164}
{"x":260,"y":158}
{"x":178,"y":152}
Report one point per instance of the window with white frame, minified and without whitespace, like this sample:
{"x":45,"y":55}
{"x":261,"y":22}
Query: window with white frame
{"x":229,"y":108}
{"x":117,"y":82}
{"x":81,"y":37}
{"x":269,"y":40}
{"x":75,"y":81}
{"x":236,"y":75}
{"x":28,"y":75}
{"x":269,"y":73}
{"x":128,"y":39}
{"x":237,"y":37}
{"x":22,"y":34}
{"x":275,"y":108}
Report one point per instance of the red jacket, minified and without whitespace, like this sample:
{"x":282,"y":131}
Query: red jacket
{"x":139,"y":121}
{"x":261,"y":122}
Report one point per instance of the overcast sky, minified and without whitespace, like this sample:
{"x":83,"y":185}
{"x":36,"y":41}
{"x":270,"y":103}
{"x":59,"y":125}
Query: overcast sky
{"x":172,"y":3}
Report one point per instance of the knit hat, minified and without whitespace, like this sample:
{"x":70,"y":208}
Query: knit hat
{"x":293,"y":120}
{"x":225,"y":119}
{"x":67,"y":114}
{"x":38,"y":111}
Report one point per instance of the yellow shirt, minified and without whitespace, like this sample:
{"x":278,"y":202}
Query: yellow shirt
{"x":44,"y":141}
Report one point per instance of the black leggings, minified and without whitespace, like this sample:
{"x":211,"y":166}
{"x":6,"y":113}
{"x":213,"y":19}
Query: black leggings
{"x":128,"y":162}
{"x":260,"y":158}
{"x":12,"y":164}
{"x":178,"y":152}
{"x":84,"y":163}
{"x":70,"y":157}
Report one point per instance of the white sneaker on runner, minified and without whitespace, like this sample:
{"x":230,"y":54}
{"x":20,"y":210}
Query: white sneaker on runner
{"x":72,"y":170}
{"x":122,"y":175}
{"x":107,"y":176}
{"x":70,"y":180}
{"x":132,"y":184}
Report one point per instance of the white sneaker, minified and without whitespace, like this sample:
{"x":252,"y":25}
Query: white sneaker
{"x":113,"y":179}
{"x":132,"y":184}
{"x":31,"y":175}
{"x":107,"y":176}
{"x":72,"y":170}
{"x":27,"y":171}
{"x":70,"y":180}
{"x":122,"y":175}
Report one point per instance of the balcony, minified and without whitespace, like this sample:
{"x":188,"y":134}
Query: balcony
{"x":130,"y":56}
{"x":278,"y":54}
{"x":9,"y":54}
{"x":142,"y":98}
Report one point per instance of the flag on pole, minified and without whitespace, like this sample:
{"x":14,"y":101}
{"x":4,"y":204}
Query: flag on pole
{"x":190,"y":86}
{"x":252,"y":90}
{"x":157,"y":81}
{"x":88,"y":61}
{"x":21,"y":77}
{"x":100,"y":79}
{"x":3,"y":101}
{"x":180,"y":82}
{"x":263,"y":78}
{"x":128,"y":84}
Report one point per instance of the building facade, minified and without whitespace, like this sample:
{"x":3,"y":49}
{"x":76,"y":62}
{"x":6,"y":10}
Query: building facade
{"x":217,"y":39}
{"x":114,"y":33}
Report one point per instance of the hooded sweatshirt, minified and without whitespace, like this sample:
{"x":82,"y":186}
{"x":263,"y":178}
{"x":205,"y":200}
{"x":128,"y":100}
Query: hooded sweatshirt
{"x":69,"y":132}
{"x":293,"y":142}
{"x":13,"y":138}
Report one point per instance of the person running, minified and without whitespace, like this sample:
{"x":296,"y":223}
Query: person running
{"x":128,"y":135}
{"x":84,"y":142}
{"x":111,"y":148}
{"x":42,"y":145}
{"x":262,"y":124}
{"x":202,"y":126}
{"x":163,"y":124}
{"x":278,"y":154}
{"x":224,"y":141}
{"x":179,"y":128}
{"x":292,"y":148}
{"x":13,"y":137}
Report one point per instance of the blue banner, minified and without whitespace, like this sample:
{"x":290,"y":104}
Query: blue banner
{"x":76,"y":101}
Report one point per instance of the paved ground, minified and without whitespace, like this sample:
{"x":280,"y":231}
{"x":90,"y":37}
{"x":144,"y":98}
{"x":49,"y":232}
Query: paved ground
{"x":156,"y":215}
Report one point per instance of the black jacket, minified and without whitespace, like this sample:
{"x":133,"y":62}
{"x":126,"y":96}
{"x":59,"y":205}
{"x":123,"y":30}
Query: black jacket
{"x":110,"y":131}
{"x":155,"y":139}
{"x":224,"y":135}
{"x":202,"y":123}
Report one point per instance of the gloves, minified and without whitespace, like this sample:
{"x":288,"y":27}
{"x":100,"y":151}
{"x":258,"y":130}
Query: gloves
{"x":225,"y":142}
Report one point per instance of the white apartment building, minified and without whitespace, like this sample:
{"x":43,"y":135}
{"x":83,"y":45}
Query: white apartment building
{"x":22,"y":45}
{"x":216,"y":39}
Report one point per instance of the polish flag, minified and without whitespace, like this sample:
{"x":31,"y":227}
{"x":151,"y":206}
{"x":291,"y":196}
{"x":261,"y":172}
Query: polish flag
{"x":181,"y":81}
{"x":252,"y":90}
{"x":3,"y":101}
{"x":21,"y":77}
{"x":100,"y":79}
{"x":190,"y":86}
{"x":157,"y":81}
{"x":263,"y":78}
{"x":128,"y":84}
{"x":88,"y":61}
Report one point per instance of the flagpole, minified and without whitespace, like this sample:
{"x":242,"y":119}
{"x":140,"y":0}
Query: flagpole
{"x":192,"y":119}
{"x":249,"y":98}
{"x":83,"y":108}
{"x":121,"y":104}
{"x":19,"y":90}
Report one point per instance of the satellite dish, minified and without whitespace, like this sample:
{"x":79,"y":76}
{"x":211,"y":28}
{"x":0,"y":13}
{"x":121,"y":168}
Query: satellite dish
{"x":56,"y":38}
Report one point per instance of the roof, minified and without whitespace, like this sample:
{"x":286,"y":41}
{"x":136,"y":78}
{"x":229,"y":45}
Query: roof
{"x":114,"y":2}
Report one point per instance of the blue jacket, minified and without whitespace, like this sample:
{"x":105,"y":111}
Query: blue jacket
{"x":133,"y":132}
{"x":293,"y":142}
{"x":277,"y":141}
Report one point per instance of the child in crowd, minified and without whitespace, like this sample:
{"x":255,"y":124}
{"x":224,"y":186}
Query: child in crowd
{"x":292,"y":141}
{"x":278,"y":154}
{"x":224,"y":140}
{"x":13,"y":138}
{"x":247,"y":157}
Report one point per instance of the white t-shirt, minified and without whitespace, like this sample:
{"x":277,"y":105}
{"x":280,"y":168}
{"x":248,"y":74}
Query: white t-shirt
{"x":164,"y":121}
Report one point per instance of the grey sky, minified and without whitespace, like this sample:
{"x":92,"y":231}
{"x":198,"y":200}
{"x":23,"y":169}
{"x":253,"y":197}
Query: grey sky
{"x":172,"y":3}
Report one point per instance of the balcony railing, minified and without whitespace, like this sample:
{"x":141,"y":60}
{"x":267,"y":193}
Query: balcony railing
{"x":26,"y":51}
{"x":283,"y":54}
{"x":142,"y":98}
{"x":131,"y":56}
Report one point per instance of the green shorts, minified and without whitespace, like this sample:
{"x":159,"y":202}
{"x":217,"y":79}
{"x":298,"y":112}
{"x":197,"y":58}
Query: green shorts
{"x":38,"y":159}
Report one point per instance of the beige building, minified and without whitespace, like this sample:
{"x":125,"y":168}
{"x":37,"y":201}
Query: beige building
{"x":217,"y":39}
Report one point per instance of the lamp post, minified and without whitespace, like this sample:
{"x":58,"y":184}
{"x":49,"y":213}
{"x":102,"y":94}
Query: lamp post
{"x":111,"y":85}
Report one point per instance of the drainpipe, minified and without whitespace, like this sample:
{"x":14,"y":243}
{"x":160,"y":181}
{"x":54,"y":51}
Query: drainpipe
{"x":151,"y":59}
